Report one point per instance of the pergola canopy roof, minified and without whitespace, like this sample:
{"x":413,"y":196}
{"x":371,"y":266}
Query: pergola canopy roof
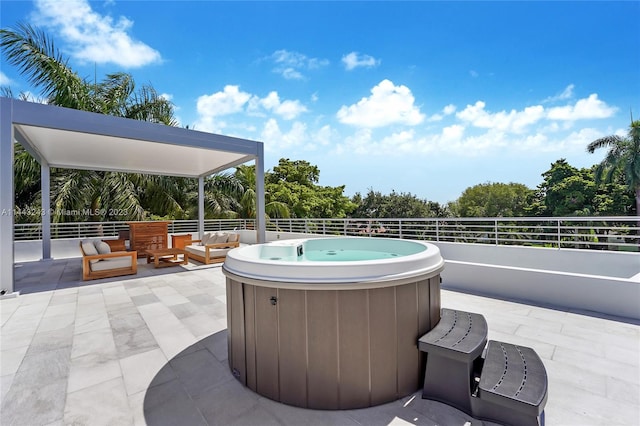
{"x":67,"y":138}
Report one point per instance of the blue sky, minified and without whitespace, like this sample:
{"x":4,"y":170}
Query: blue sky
{"x":421,"y":97}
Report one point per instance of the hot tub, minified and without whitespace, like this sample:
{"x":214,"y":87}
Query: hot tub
{"x":331,"y":323}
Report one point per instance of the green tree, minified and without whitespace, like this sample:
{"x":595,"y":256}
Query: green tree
{"x":246,"y":205}
{"x":395,"y":205}
{"x":493,"y":200}
{"x":566,"y":191}
{"x":295,"y":183}
{"x":623,"y":157}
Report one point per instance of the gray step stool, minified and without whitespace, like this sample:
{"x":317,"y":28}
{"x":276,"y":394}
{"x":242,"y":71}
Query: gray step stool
{"x":453,"y":348}
{"x":513,"y":386}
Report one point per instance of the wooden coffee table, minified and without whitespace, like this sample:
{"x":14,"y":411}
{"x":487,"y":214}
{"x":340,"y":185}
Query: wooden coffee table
{"x":167,"y":257}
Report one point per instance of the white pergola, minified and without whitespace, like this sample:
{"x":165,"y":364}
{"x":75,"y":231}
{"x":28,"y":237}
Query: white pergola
{"x":68,"y":138}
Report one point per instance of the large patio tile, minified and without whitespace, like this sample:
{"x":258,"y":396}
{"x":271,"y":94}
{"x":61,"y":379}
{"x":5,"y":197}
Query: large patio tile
{"x":199,"y":371}
{"x":289,"y":415}
{"x":562,"y":341}
{"x":140,"y":370}
{"x":598,"y":365}
{"x":13,"y":339}
{"x":620,"y":390}
{"x":575,"y":376}
{"x":93,"y":369}
{"x":50,"y":340}
{"x":33,"y":403}
{"x":232,"y":403}
{"x":202,"y":325}
{"x":169,"y":296}
{"x":185,"y":310}
{"x":97,"y":342}
{"x":113,"y":408}
{"x":10,"y":359}
{"x":88,"y":323}
{"x":168,"y":404}
{"x":57,"y":322}
{"x":41,"y":368}
{"x":5,"y":385}
{"x":174,"y":340}
{"x":598,"y":409}
{"x":144,"y":299}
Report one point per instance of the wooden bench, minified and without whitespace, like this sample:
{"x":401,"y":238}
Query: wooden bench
{"x":454,"y":348}
{"x":513,"y":386}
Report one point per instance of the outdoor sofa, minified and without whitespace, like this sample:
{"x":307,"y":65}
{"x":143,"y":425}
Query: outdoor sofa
{"x":213,"y":247}
{"x":98,"y":261}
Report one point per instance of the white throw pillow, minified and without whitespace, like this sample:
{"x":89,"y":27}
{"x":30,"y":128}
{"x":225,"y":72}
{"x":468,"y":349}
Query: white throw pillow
{"x":206,"y":237}
{"x":89,"y":249}
{"x":220,"y":237}
{"x":233,"y":238}
{"x":102,"y":247}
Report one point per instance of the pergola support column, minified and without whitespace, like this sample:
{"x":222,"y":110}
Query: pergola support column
{"x":201,"y":207}
{"x":7,"y":199}
{"x":261,"y":229}
{"x":45,"y":194}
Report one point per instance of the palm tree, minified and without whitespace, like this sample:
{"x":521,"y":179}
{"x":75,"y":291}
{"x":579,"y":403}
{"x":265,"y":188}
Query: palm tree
{"x":34,"y":54}
{"x":623,"y":157}
{"x":247,"y":203}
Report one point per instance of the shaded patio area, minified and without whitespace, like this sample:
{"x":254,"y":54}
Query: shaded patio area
{"x":152,"y":349}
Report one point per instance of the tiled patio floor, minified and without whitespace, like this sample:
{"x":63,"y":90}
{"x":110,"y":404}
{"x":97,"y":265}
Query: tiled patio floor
{"x":151,"y":349}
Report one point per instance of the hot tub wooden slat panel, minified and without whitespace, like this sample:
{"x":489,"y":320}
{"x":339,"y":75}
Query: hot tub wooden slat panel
{"x":237,"y":331}
{"x":407,"y":331}
{"x":293,"y":345}
{"x":322,"y":344}
{"x":434,"y":300}
{"x":424,"y":319}
{"x":250,"y":334}
{"x":382,"y":323}
{"x":353,"y":333}
{"x":266,"y":343}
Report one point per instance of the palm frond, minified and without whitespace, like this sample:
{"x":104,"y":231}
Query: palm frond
{"x":36,"y":57}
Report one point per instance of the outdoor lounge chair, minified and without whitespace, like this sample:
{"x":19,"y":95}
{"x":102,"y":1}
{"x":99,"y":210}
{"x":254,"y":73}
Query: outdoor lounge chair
{"x":213,"y":247}
{"x":99,"y":262}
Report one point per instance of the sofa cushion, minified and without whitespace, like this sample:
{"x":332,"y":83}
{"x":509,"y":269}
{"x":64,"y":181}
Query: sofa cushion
{"x":206,"y":237}
{"x":233,"y":238}
{"x":112,"y":263}
{"x":219,"y":237}
{"x":102,"y":247}
{"x":196,"y":249}
{"x":89,"y":249}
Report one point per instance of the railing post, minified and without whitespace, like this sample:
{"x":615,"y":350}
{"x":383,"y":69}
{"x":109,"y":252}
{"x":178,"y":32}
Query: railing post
{"x":559,"y":240}
{"x":495,"y":227}
{"x":400,"y":228}
{"x":437,"y":230}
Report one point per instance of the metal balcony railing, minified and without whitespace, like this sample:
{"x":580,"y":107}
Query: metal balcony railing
{"x":595,"y":233}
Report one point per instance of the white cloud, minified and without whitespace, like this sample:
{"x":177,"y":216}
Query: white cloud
{"x":583,"y":109}
{"x":354,"y":60}
{"x":473,"y":74}
{"x":287,"y":109}
{"x":448,"y":110}
{"x":231,"y":100}
{"x":4,"y":80}
{"x":567,"y":93}
{"x":291,"y":64}
{"x":513,"y":121}
{"x":92,"y":37}
{"x":388,"y":104}
{"x":276,"y":140}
